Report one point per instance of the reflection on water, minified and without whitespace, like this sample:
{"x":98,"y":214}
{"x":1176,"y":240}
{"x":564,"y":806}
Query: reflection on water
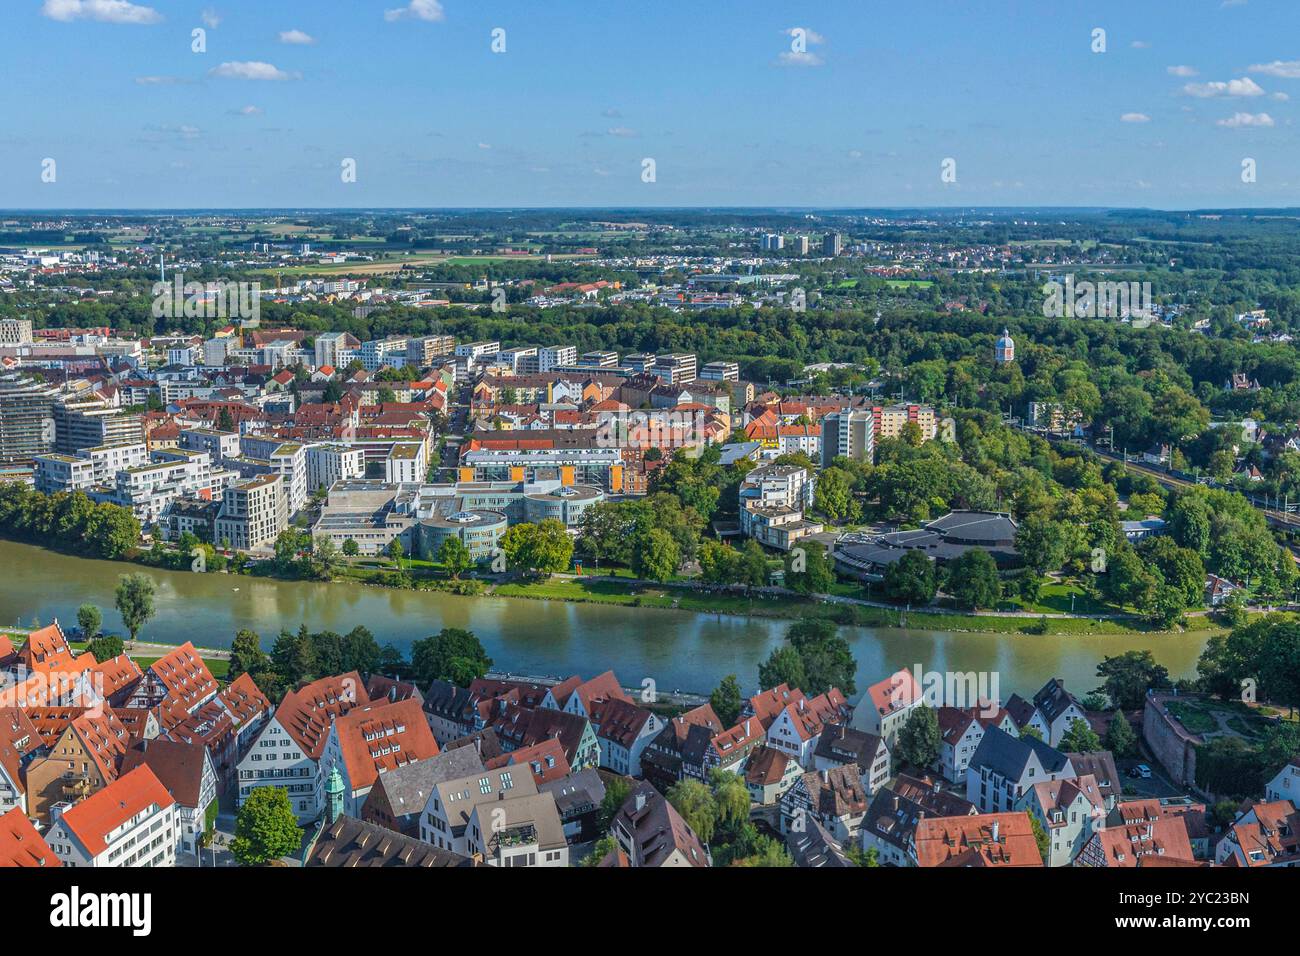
{"x":675,"y":648}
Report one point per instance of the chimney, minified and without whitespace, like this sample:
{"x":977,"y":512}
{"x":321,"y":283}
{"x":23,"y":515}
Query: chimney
{"x":640,"y":800}
{"x":997,"y":830}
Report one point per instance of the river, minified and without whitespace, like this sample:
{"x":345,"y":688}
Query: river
{"x":677,"y":649}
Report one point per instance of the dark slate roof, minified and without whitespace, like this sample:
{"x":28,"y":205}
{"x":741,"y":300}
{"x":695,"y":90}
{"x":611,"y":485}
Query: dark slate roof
{"x":1021,"y":710}
{"x":1007,"y":755}
{"x":1053,"y":700}
{"x":577,"y":793}
{"x":844,"y":745}
{"x":408,"y":787}
{"x":815,"y":847}
{"x":352,"y":842}
{"x":1102,"y":767}
{"x":444,"y":699}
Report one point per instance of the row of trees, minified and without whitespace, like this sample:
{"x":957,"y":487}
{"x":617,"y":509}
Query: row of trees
{"x":67,"y":520}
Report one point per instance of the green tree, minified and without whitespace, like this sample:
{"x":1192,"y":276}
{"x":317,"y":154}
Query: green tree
{"x":919,"y":738}
{"x":973,"y":580}
{"x":1079,"y":738}
{"x":617,"y":790}
{"x":454,"y":556}
{"x":90,"y":621}
{"x":1127,"y":677}
{"x":350,"y":548}
{"x":731,"y":797}
{"x":135,"y":601}
{"x":817,"y":575}
{"x":105,"y":647}
{"x":266,"y":828}
{"x":783,"y":666}
{"x":696,"y":803}
{"x":655,"y":555}
{"x":827,"y":660}
{"x":833,"y":495}
{"x":543,"y":548}
{"x":453,"y":654}
{"x":1040,"y":836}
{"x":768,"y":853}
{"x":911,"y":580}
{"x":395,"y":552}
{"x":1042,"y":543}
{"x":726,"y":700}
{"x":1120,"y":739}
{"x":247,"y":656}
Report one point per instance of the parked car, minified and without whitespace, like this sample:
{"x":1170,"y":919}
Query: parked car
{"x":1141,"y":771}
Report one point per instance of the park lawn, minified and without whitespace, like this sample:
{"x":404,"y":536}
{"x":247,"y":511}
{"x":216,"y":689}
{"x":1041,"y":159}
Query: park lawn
{"x":905,"y":283}
{"x":1054,"y":598}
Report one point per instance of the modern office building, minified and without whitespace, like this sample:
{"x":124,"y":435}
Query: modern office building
{"x":721,"y":372}
{"x":27,"y":426}
{"x":849,"y":433}
{"x":91,"y":423}
{"x":252,"y":513}
{"x":677,"y":368}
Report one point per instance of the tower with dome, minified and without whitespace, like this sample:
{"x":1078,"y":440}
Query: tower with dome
{"x":1005,"y":350}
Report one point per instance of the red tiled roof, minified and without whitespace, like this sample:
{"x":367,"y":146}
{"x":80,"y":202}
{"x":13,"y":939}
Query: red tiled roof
{"x":545,"y":759}
{"x":306,"y":714}
{"x":187,"y":679}
{"x":91,"y":820}
{"x":376,"y":738}
{"x":21,"y":845}
{"x":969,"y":841}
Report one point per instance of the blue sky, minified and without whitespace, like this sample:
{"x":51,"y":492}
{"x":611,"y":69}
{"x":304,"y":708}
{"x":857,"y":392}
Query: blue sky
{"x":712,"y":90}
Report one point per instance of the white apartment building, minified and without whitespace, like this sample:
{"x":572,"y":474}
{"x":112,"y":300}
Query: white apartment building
{"x":219,"y":445}
{"x":133,"y":822}
{"x":377,"y":353}
{"x":327,"y":464}
{"x":286,"y":459}
{"x":252,"y":513}
{"x":287,"y":752}
{"x":551,"y":357}
{"x":407,"y":463}
{"x":147,"y":489}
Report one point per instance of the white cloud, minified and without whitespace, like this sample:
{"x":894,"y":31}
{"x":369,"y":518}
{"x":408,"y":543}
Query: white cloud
{"x":484,"y":145}
{"x":159,"y":80}
{"x":427,"y":10}
{"x":105,"y":11}
{"x":1280,"y":97}
{"x":211,"y":19}
{"x":1242,"y":87}
{"x":790,"y":58}
{"x":1241,"y":120}
{"x":1181,"y":70}
{"x":1140,"y":45}
{"x":248,"y":111}
{"x":250,"y":70}
{"x":1284,"y":69}
{"x":621,"y":131}
{"x":1135,"y":118}
{"x":297,"y":38}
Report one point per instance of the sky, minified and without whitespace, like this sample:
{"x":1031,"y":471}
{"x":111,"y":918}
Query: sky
{"x":834,"y":103}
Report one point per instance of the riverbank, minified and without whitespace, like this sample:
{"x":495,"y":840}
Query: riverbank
{"x":772,"y":603}
{"x":689,"y":647}
{"x":790,"y":606}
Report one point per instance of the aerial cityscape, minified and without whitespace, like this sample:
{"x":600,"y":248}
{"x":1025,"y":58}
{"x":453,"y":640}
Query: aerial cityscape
{"x":608,"y":479}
